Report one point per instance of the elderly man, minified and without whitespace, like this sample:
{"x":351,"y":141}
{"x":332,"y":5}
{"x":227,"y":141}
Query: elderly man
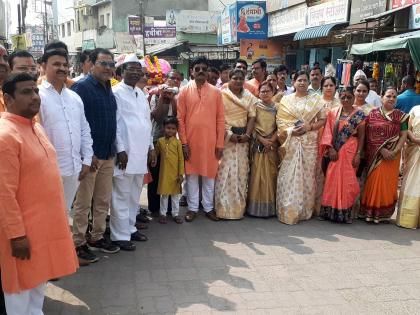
{"x":134,"y":145}
{"x":201,"y":130}
{"x":100,"y":110}
{"x":35,"y":239}
{"x":63,"y":117}
{"x":373,"y":98}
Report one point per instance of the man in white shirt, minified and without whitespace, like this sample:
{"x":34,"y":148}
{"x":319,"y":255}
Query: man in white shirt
{"x":63,"y":117}
{"x":315,"y":76}
{"x":86,"y":65}
{"x":134,"y":146}
{"x":372,"y":98}
{"x":329,"y":68}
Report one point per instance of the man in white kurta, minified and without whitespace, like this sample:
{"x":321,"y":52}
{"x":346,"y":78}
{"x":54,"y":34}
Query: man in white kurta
{"x":133,"y":143}
{"x":63,"y":118}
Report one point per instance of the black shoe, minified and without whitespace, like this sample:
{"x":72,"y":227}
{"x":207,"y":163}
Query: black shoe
{"x":125,"y":245}
{"x":143,"y":216}
{"x":103,"y":245}
{"x":138,"y":237}
{"x":183,"y":202}
{"x":85,"y":255}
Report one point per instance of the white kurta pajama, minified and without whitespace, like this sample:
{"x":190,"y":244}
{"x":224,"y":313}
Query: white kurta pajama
{"x":134,"y":130}
{"x":63,"y":117}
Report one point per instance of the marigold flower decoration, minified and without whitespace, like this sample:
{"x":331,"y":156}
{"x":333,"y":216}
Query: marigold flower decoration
{"x":155,"y":71}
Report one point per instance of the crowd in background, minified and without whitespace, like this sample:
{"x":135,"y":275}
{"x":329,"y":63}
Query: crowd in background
{"x":77,"y":152}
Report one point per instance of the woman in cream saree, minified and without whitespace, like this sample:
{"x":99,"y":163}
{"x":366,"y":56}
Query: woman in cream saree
{"x":409,"y":201}
{"x":264,"y":157}
{"x":299,"y":117}
{"x":231,"y":186}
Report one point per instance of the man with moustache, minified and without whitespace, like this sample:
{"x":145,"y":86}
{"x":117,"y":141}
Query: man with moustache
{"x":315,"y":77}
{"x":35,"y":239}
{"x":63,"y":117}
{"x":259,"y":73}
{"x":201,"y":130}
{"x":134,"y":144}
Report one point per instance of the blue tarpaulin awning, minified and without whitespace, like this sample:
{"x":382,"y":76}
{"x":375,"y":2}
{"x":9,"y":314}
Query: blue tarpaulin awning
{"x":316,"y":32}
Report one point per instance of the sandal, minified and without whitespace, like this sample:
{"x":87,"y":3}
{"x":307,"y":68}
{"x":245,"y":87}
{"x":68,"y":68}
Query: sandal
{"x":178,"y":220}
{"x":190,"y":216}
{"x":162,"y":219}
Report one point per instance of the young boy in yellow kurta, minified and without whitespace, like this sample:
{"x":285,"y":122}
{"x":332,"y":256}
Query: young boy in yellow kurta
{"x":171,"y":169}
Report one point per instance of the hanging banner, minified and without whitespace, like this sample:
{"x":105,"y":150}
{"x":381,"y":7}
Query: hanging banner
{"x":125,"y":43}
{"x":252,"y":20}
{"x":192,"y":21}
{"x":415,"y":17}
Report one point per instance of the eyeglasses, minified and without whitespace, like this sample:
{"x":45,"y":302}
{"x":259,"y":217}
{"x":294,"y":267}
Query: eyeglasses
{"x":106,"y":64}
{"x":346,"y":97}
{"x":198,"y":69}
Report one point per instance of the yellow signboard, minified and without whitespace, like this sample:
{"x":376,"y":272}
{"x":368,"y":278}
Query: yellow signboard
{"x":19,"y":42}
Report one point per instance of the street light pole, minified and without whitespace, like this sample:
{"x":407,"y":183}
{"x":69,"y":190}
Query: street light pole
{"x":142,"y":21}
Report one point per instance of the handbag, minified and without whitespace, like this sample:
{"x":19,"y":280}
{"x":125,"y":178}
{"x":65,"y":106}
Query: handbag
{"x":238,"y":130}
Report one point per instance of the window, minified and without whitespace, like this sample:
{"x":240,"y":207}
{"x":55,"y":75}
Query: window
{"x":63,"y":30}
{"x":68,"y":28}
{"x":102,"y":20}
{"x":108,"y":20}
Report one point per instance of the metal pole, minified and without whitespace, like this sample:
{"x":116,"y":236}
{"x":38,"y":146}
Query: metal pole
{"x":142,"y":21}
{"x":19,"y":20}
{"x":46,"y":21}
{"x":23,"y":7}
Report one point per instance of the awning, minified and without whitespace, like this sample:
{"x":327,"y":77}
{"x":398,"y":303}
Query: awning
{"x":407,"y":40}
{"x":316,"y":32}
{"x":156,"y":49}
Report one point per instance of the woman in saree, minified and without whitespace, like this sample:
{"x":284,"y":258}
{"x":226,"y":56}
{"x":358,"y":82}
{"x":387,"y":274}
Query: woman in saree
{"x":342,"y":141}
{"x":329,"y":89}
{"x":299,"y":117}
{"x":386,"y":132}
{"x":361,"y":91}
{"x":264,"y":157}
{"x":232,"y":177}
{"x":409,"y":200}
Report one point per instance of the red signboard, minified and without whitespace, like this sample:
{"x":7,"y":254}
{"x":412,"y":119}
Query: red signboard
{"x":401,"y":3}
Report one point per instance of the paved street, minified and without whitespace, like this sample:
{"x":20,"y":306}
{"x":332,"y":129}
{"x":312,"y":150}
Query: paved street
{"x":254,"y":266}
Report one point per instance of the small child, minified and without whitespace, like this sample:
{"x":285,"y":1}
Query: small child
{"x":171,"y":169}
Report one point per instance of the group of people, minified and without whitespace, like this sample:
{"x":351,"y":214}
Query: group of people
{"x":73,"y":151}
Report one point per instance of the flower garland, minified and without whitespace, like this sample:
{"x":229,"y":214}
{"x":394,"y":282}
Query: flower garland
{"x":155,"y":71}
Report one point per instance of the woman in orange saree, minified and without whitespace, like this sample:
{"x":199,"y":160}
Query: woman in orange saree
{"x":386,"y":132}
{"x":341,"y":143}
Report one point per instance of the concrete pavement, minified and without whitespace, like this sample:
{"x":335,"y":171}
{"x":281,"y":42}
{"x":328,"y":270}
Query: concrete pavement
{"x":252,"y":266}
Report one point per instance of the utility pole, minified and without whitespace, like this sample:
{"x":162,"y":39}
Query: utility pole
{"x":142,"y":21}
{"x":23,"y":5}
{"x":19,"y":20}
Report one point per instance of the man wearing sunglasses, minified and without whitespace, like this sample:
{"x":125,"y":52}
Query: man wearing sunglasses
{"x":100,"y":110}
{"x":201,"y":130}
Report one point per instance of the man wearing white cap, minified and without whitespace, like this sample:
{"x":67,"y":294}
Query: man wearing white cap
{"x":372,"y":98}
{"x":134,"y":147}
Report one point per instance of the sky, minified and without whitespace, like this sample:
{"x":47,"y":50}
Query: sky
{"x":31,"y":17}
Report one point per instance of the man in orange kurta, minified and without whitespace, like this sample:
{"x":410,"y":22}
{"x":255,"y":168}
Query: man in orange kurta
{"x":201,"y":130}
{"x":35,"y":239}
{"x":259,"y":71}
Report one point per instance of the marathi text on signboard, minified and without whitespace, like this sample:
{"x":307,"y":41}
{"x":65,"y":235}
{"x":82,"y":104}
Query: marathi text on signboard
{"x":371,"y":7}
{"x":287,"y":21}
{"x":335,"y":11}
{"x":401,"y":3}
{"x":134,"y":25}
{"x":125,"y":42}
{"x":252,"y":20}
{"x":192,"y":21}
{"x":159,"y":35}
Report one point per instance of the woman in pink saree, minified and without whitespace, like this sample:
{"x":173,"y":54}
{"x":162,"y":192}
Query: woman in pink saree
{"x":341,"y":145}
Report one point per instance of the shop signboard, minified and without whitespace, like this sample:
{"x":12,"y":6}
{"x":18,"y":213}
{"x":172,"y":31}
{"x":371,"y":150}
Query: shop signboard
{"x":401,"y":3}
{"x":275,"y":5}
{"x":228,"y":22}
{"x":134,"y":25}
{"x":274,"y":52}
{"x":335,"y":11}
{"x":371,"y":7}
{"x":125,"y":42}
{"x":159,"y":35}
{"x":192,"y":21}
{"x":287,"y":21}
{"x":415,"y":17}
{"x":252,"y":20}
